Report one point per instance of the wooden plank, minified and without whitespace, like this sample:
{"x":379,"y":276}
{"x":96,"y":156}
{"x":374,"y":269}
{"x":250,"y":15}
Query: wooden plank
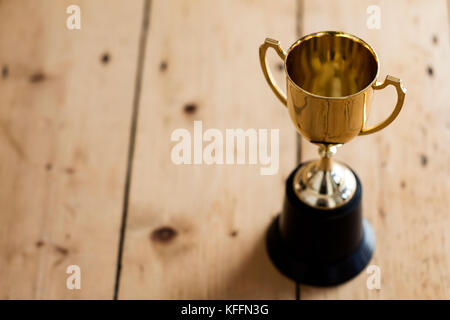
{"x":197,"y":231}
{"x":405,"y":168}
{"x":64,"y":130}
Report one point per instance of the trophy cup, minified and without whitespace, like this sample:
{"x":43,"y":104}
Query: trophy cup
{"x":320,"y":237}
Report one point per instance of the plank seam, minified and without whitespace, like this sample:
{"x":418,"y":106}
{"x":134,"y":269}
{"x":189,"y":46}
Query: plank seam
{"x":297,"y":291}
{"x":448,"y":14}
{"x":132,"y":139}
{"x":299,"y":31}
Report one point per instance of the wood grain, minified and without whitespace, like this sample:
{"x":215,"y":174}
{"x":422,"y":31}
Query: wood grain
{"x":66,"y":100}
{"x":197,"y":231}
{"x":405,"y":168}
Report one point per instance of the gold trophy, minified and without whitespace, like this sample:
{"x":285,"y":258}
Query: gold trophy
{"x":320,"y":238}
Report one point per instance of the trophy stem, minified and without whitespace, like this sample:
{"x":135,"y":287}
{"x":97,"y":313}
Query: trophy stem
{"x":325,"y":183}
{"x":326,"y":152}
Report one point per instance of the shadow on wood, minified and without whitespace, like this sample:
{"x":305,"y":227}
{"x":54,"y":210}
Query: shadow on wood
{"x":256,"y":277}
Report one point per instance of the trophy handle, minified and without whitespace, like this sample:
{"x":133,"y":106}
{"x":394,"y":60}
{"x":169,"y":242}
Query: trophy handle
{"x":275,"y":44}
{"x":401,"y":91}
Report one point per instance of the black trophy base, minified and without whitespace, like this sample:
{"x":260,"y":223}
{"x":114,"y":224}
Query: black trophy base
{"x":320,"y":247}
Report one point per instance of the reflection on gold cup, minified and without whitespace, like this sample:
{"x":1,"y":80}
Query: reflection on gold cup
{"x":330,"y":79}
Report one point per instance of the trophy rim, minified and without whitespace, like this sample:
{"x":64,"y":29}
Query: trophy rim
{"x":334,"y":33}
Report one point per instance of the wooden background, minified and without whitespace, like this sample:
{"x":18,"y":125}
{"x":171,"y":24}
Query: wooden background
{"x":85,"y":170}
